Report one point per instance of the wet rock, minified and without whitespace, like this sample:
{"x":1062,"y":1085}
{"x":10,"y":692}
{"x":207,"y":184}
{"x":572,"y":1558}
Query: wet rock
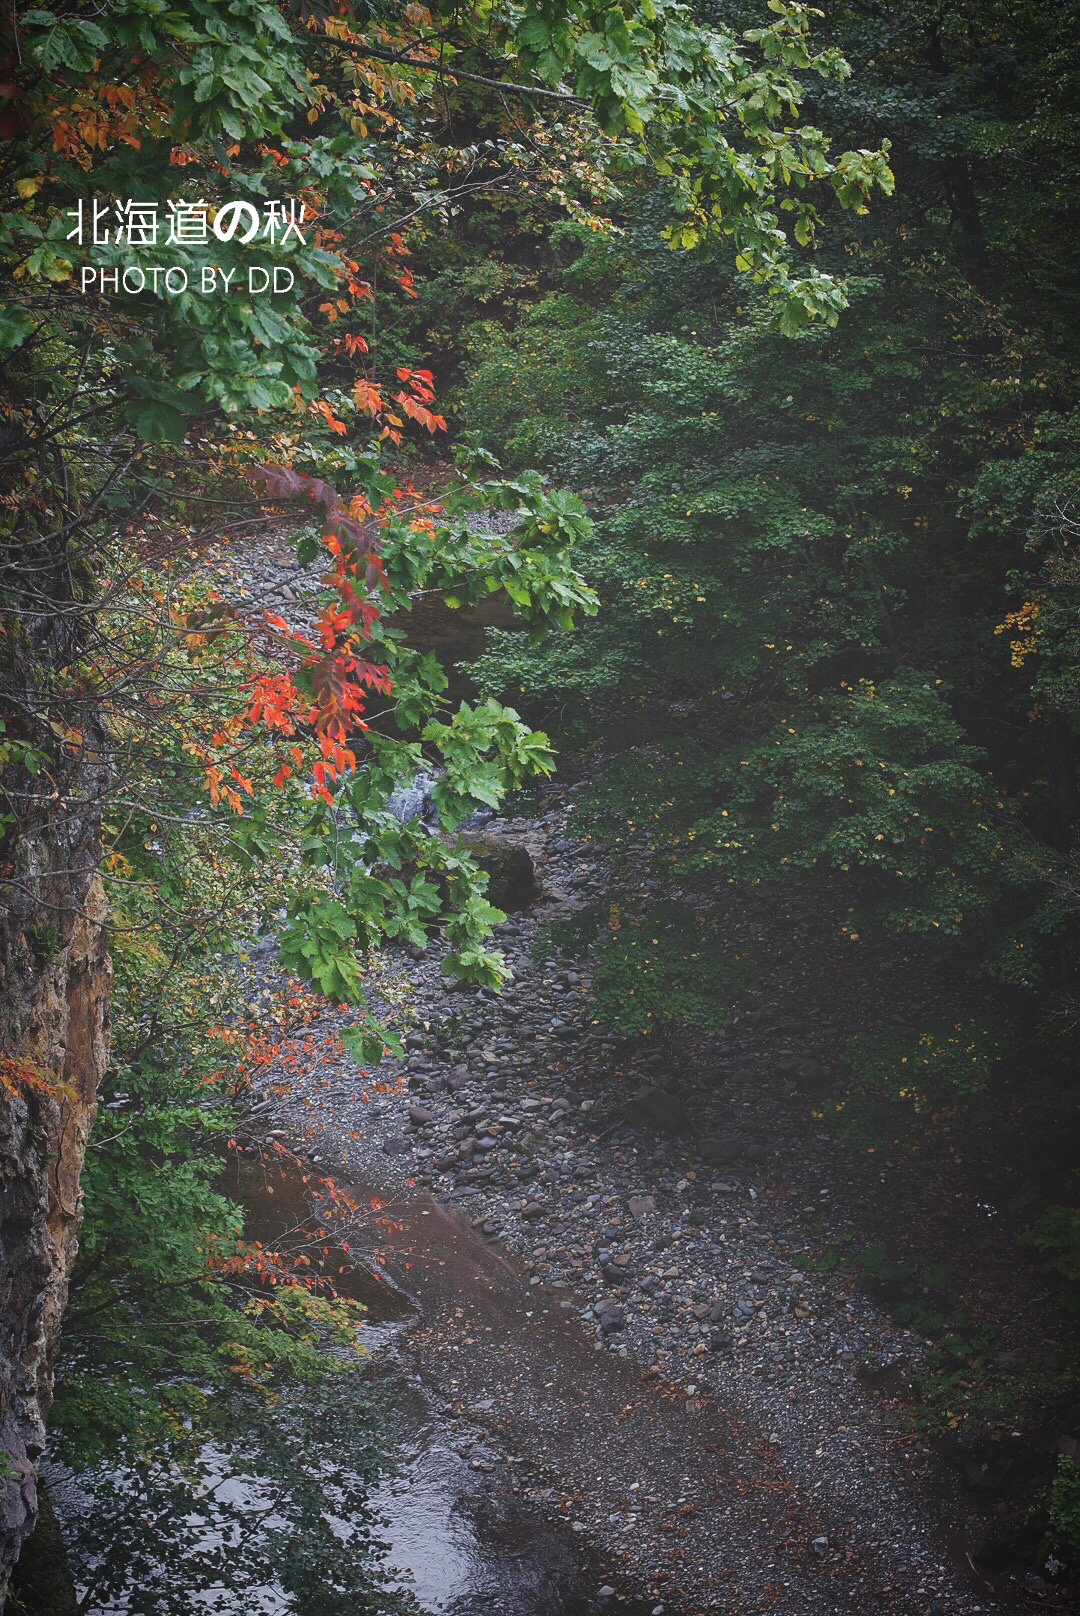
{"x":1066,"y":1429}
{"x":589,"y":1207}
{"x":652,"y":1107}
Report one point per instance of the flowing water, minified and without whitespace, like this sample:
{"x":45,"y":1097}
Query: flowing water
{"x":397,"y":1480}
{"x":466,"y":1546}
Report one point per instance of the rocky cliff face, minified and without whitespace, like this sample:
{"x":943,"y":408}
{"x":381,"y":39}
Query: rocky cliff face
{"x":54,"y":997}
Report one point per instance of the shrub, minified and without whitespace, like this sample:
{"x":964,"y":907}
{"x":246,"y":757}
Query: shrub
{"x":1057,"y":1236}
{"x":1065,"y":1504}
{"x":903,"y":1082}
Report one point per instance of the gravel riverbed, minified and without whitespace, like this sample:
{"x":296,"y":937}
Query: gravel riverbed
{"x":709,"y":1417}
{"x":614,"y":1296}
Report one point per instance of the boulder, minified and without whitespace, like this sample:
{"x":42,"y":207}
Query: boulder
{"x":805,"y":1071}
{"x":610,"y":1316}
{"x":652,"y":1107}
{"x":1013,"y":1540}
{"x":713,"y":1147}
{"x":512,"y":883}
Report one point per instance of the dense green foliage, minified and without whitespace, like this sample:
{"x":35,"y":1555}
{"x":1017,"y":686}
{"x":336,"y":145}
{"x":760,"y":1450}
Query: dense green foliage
{"x":1065,"y":1504}
{"x":336,"y":114}
{"x":222,"y":749}
{"x":835,"y":646}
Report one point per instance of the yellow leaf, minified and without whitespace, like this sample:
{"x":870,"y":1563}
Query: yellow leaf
{"x":27,"y":188}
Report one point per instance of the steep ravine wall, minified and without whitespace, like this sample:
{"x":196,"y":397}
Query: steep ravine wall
{"x":54,"y":1006}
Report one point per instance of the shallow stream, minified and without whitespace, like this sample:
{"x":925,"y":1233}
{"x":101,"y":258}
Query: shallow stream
{"x":464,"y":1544}
{"x":367,"y":1497}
